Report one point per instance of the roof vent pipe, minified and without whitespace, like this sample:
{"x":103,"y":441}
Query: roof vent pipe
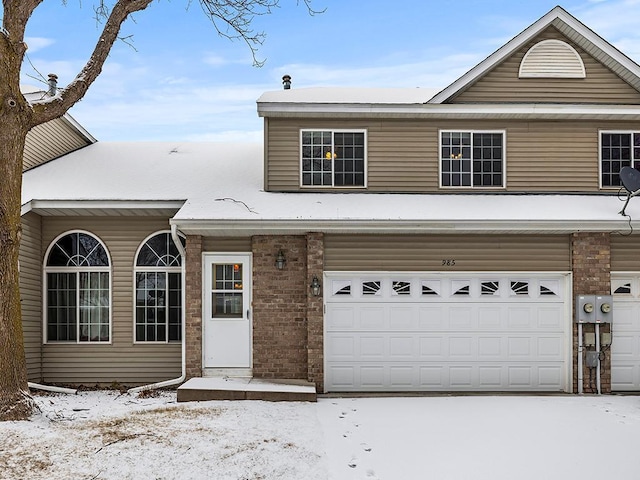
{"x":53,"y":84}
{"x":286,"y":82}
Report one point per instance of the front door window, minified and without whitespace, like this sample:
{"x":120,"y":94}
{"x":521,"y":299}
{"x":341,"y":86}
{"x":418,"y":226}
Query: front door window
{"x":227,"y":294}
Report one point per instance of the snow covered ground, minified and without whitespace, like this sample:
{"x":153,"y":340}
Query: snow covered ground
{"x":105,"y":435}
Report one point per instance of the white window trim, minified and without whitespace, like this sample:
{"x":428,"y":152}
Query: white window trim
{"x":137,"y":269}
{"x":46,"y":270}
{"x":334,"y":130}
{"x":471,"y":187}
{"x":600,"y":132}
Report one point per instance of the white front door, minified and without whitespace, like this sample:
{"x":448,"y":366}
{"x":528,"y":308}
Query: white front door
{"x":227,"y":311}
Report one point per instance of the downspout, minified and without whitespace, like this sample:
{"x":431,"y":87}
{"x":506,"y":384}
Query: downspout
{"x":51,"y":388}
{"x":181,"y":378}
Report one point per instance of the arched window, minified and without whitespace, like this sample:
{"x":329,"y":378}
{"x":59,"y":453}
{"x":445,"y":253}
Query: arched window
{"x":158,"y":283}
{"x":78,"y":289}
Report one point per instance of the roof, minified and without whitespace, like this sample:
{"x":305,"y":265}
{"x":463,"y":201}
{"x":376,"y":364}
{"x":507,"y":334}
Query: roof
{"x":429,"y":103}
{"x":216,"y":189}
{"x":572,"y":28}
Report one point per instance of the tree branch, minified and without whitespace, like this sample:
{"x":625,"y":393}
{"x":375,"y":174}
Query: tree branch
{"x":53,"y":107}
{"x":232,"y":19}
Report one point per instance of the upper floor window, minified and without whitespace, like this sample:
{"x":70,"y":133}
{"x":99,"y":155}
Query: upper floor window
{"x":472,"y":159}
{"x":158,"y":276}
{"x":78,"y":289}
{"x":617,"y":150}
{"x":333,"y":158}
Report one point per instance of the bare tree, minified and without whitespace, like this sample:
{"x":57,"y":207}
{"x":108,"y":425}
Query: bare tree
{"x":231,"y":18}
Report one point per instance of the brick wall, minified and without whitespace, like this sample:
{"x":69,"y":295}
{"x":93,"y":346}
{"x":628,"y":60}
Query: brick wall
{"x":279,"y":308}
{"x":591,"y":264}
{"x":315,"y":314}
{"x":193,"y":306}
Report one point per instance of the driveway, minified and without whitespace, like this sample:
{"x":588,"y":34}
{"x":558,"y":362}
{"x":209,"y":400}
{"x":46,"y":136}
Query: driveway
{"x":482,"y":437}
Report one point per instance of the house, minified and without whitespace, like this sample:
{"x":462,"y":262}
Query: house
{"x":379,"y":239}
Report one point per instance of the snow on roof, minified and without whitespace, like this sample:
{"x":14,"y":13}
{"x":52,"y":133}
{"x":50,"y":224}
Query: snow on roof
{"x":146,"y":171}
{"x":342,"y":95}
{"x":221,"y":186}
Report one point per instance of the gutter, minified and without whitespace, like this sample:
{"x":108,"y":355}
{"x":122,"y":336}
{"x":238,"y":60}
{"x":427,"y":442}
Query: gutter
{"x":183,"y":376}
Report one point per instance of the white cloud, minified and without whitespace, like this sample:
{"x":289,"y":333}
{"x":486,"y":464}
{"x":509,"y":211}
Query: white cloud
{"x":37,"y":43}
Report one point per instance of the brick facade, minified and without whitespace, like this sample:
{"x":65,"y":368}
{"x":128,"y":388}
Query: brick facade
{"x":315,"y":313}
{"x":279,"y":308}
{"x":193,"y":306}
{"x":591,"y":265}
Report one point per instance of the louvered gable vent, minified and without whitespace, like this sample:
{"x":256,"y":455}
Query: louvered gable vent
{"x":552,"y":59}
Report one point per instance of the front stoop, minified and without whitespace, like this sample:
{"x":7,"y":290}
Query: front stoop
{"x":246,"y":388}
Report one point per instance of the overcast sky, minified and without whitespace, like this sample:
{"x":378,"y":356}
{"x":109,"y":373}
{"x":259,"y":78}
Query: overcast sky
{"x":182,"y":82}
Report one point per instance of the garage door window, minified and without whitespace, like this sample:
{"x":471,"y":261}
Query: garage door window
{"x":371,"y":288}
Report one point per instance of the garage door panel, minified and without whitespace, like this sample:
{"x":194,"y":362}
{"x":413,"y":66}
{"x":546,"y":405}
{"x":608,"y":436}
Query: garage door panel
{"x":491,"y":348}
{"x":460,"y":347}
{"x":341,"y":317}
{"x":371,"y":318}
{"x":453,"y":337}
{"x":431,"y":317}
{"x":490,"y":317}
{"x":403,"y":347}
{"x":550,"y":318}
{"x":461,"y":318}
{"x":625,"y":347}
{"x":491,"y":377}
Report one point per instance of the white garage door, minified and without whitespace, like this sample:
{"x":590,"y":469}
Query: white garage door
{"x":625,"y":347}
{"x":444,"y":332}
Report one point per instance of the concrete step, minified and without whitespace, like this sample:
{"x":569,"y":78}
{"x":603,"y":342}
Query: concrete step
{"x":246,"y":388}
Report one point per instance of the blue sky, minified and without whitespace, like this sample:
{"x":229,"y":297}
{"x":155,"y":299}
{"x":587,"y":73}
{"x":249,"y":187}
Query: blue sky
{"x":183,"y":82}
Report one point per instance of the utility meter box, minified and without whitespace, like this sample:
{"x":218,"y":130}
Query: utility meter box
{"x":604,"y":308}
{"x":585,"y":311}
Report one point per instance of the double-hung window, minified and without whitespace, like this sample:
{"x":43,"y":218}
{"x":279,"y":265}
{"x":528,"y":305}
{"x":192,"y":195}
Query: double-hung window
{"x":158,"y":277}
{"x":333,"y":158}
{"x":617,"y":149}
{"x":77,"y":290}
{"x":472,"y":159}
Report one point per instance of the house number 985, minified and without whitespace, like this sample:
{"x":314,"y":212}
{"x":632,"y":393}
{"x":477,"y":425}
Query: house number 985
{"x":448,"y":262}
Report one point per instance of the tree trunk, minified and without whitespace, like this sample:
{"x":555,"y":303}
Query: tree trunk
{"x":15,"y":401}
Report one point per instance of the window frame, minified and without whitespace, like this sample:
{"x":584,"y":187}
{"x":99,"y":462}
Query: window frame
{"x":75,"y":270}
{"x":148,"y":269}
{"x":502,"y":132}
{"x":631,"y":161}
{"x":333,"y":131}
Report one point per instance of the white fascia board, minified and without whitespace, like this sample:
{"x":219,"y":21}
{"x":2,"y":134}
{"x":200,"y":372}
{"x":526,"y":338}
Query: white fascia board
{"x":283,"y":227}
{"x":35,"y":204}
{"x":470,"y":111}
{"x":25,"y":208}
{"x":79,"y":128}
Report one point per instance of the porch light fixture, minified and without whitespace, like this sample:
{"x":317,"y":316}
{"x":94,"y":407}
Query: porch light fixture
{"x":315,"y":286}
{"x":280,"y":260}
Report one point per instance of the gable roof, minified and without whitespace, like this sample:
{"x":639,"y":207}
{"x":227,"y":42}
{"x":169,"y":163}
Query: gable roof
{"x":569,"y":26}
{"x":54,"y":138}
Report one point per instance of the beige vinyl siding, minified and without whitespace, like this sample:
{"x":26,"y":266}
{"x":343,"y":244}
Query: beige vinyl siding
{"x":402,"y":155}
{"x":31,"y":294}
{"x":226,"y":244}
{"x":50,"y":140}
{"x":625,"y":253}
{"x":458,"y":253}
{"x":122,"y":361}
{"x":502,"y":84}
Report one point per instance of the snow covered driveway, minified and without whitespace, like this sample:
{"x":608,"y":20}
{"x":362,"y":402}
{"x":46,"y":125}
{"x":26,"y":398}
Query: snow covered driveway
{"x":483,"y":437}
{"x":103,"y":435}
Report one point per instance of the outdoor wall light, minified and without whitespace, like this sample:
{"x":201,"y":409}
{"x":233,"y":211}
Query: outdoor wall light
{"x":315,"y":286}
{"x":280,"y":260}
